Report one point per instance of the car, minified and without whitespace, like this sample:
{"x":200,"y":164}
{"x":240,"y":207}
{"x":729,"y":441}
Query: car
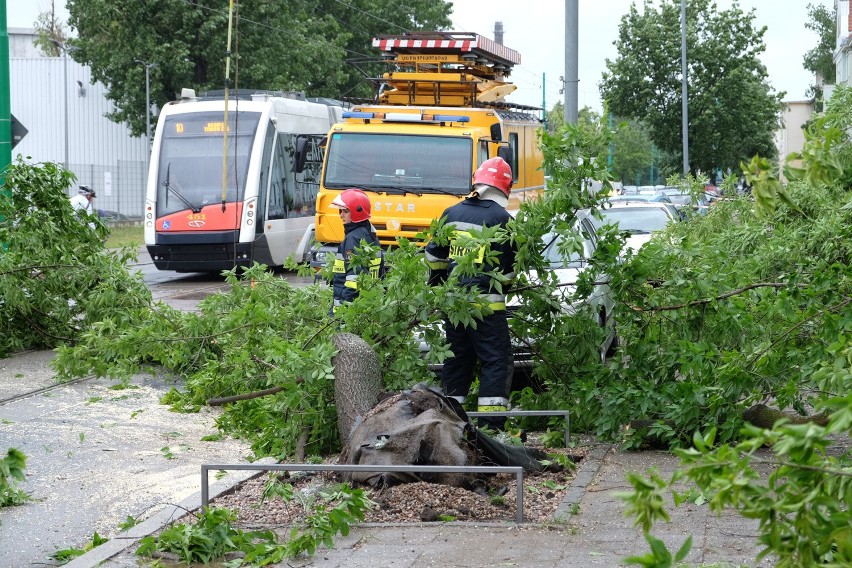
{"x":642,"y":197}
{"x":639,"y":219}
{"x":567,"y":271}
{"x":680,"y":199}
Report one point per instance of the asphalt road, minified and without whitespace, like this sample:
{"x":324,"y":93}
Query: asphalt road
{"x":184,"y":290}
{"x":96,"y":455}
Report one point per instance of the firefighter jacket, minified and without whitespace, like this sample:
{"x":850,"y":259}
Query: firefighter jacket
{"x":473,"y":214}
{"x":344,"y":272}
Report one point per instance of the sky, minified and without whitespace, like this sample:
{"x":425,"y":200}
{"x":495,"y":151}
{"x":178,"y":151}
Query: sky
{"x":536,"y":29}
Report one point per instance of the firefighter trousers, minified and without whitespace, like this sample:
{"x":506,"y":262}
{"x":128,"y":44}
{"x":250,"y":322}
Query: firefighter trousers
{"x":490,"y":344}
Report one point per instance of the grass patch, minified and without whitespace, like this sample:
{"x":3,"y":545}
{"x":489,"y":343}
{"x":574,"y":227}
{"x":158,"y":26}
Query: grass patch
{"x":125,"y":236}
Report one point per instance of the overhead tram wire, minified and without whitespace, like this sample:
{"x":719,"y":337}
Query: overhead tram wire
{"x":237,"y":196}
{"x":227,"y":86}
{"x":351,"y":7}
{"x":277,"y":29}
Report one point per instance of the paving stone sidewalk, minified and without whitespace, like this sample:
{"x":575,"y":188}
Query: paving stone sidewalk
{"x":590,"y":530}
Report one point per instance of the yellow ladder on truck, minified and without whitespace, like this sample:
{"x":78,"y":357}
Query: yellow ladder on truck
{"x":450,"y":69}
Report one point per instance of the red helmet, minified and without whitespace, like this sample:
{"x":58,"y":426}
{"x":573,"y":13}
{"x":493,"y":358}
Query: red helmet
{"x":495,"y":172}
{"x":356,"y":201}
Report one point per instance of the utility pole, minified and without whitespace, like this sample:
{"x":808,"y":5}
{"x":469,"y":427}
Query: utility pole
{"x":65,"y":49}
{"x":685,"y":124}
{"x":148,"y":67}
{"x":571,"y":60}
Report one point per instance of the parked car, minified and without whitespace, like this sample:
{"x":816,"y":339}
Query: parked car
{"x":680,"y":199}
{"x":567,"y":269}
{"x":653,"y":197}
{"x":639,"y":219}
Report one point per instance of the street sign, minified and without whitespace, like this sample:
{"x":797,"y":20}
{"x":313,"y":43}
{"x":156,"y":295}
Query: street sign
{"x":18,"y":131}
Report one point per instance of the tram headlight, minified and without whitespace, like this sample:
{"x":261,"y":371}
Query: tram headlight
{"x":250,"y":214}
{"x":149,"y":215}
{"x":249,"y":222}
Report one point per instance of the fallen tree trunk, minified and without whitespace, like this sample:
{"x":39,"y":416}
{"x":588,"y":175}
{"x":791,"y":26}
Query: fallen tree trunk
{"x":759,"y":415}
{"x":763,"y":416}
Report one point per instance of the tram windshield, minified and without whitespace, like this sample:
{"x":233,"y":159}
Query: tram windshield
{"x":399,"y":163}
{"x":190,"y":168}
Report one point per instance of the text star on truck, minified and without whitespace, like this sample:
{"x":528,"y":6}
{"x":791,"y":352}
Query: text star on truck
{"x":440,"y":112}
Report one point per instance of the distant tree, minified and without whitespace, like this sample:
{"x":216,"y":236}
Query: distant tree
{"x":555,"y":117}
{"x":588,"y":121}
{"x":733,"y":112}
{"x":49,"y":30}
{"x":295,"y":45}
{"x":820,"y":59}
{"x":634,"y":155}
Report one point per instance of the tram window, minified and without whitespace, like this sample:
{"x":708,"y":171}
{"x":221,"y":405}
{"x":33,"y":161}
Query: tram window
{"x":191,"y":157}
{"x":306,"y":182}
{"x":280,"y":200}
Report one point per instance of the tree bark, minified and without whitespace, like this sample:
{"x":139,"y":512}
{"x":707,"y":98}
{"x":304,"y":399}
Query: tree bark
{"x":357,"y":380}
{"x":764,"y":417}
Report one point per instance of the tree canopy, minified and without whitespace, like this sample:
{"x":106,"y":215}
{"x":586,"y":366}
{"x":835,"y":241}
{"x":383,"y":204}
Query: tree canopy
{"x":733,"y":111}
{"x":294,"y":45}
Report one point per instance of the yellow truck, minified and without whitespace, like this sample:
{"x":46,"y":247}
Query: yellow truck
{"x":440,"y":112}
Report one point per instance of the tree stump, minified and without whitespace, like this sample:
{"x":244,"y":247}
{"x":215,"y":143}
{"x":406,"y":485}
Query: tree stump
{"x":357,"y":380}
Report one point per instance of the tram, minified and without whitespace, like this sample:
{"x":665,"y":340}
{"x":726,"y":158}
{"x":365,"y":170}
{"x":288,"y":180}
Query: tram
{"x":234,"y":182}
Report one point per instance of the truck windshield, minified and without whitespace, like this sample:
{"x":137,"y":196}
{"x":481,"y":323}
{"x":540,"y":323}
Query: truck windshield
{"x":189,"y":172}
{"x":384,"y":162}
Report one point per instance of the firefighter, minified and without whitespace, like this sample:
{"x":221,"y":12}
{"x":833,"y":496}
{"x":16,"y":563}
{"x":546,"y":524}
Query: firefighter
{"x":489,"y":341}
{"x":354,"y":206}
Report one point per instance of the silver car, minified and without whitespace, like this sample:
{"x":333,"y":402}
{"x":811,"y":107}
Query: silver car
{"x":639,"y":219}
{"x":567,"y":270}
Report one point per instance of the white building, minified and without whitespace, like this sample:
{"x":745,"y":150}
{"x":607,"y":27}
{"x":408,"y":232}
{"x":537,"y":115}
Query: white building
{"x":842,"y":59}
{"x":64,"y":114}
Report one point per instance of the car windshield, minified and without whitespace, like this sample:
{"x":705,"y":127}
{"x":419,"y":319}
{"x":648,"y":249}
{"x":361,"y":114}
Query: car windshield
{"x":635,"y":219}
{"x":554,"y":256}
{"x":680,"y":198}
{"x":418,"y":164}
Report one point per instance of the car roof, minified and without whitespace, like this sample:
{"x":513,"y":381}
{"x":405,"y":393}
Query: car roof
{"x":668,"y":208}
{"x":642,"y":197}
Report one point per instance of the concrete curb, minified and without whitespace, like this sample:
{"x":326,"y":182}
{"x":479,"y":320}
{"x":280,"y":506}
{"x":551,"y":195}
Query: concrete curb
{"x":585,"y":476}
{"x":158,"y":520}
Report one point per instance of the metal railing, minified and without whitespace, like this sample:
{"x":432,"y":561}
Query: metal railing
{"x":517,"y":470}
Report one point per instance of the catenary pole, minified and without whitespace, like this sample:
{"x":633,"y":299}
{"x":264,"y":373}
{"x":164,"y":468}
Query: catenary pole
{"x":571,"y":60}
{"x":683,"y":89}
